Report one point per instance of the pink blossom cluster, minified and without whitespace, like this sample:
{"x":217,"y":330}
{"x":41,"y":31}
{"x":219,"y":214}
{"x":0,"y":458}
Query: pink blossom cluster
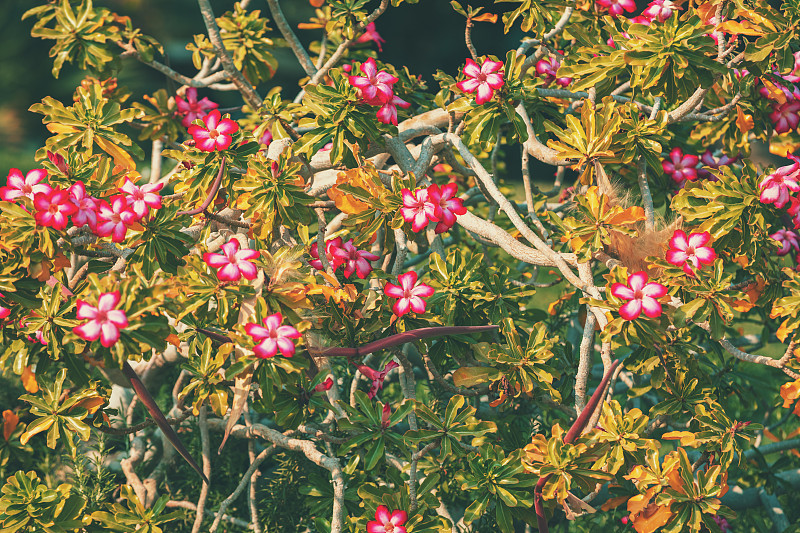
{"x":683,"y":167}
{"x":777,"y":189}
{"x":338,"y":254}
{"x":690,"y":252}
{"x":191,"y":109}
{"x":547,"y":67}
{"x":375,"y":88}
{"x":785,"y":103}
{"x":482,"y":80}
{"x":659,"y":10}
{"x":55,"y":208}
{"x":433,"y":204}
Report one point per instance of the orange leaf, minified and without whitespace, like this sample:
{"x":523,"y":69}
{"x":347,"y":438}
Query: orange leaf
{"x":173,"y":340}
{"x":10,"y":421}
{"x":553,"y":307}
{"x":652,"y":518}
{"x":790,"y":392}
{"x":316,"y":3}
{"x":29,"y":380}
{"x":486,"y":17}
{"x":613,"y":503}
{"x":687,"y":437}
{"x":774,"y":92}
{"x":90,"y":404}
{"x":743,"y":122}
{"x":121,"y":157}
{"x":770,"y":435}
{"x":346,"y":203}
{"x":739,"y":28}
{"x":784,"y":330}
{"x":782,"y":146}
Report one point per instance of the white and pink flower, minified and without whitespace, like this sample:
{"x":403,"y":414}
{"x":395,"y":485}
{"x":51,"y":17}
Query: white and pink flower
{"x":388,"y":111}
{"x":775,"y":188}
{"x":53,"y":208}
{"x":113,"y":219}
{"x":386,"y":522}
{"x":547,"y":67}
{"x":482,"y":80}
{"x":642,"y":296}
{"x":371,"y":35}
{"x":409,"y":294}
{"x":616,"y":7}
{"x":18,"y":185}
{"x":417,"y":208}
{"x":330,"y":246}
{"x":660,"y":10}
{"x":85,"y":206}
{"x":215,"y":134}
{"x":788,"y":239}
{"x":272,"y":338}
{"x":104,"y":321}
{"x":375,"y":87}
{"x":233,"y":263}
{"x":446,"y":205}
{"x":142,"y":199}
{"x":354,"y":260}
{"x":691,"y":252}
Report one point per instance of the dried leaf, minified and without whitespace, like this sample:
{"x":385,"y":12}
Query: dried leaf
{"x":29,"y":380}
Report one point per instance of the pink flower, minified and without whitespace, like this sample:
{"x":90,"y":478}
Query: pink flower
{"x":680,"y":166}
{"x":388,"y":111}
{"x":266,"y":138}
{"x":776,"y":186}
{"x":386,"y":414}
{"x":191,"y":108}
{"x":4,"y":311}
{"x":788,"y":240}
{"x":616,"y":7}
{"x":377,"y":377}
{"x":642,"y":296}
{"x":233,"y":263}
{"x":417,"y":208}
{"x":548,"y":68}
{"x":17,"y":186}
{"x":272,"y":337}
{"x":640,"y":19}
{"x":446,"y":206}
{"x":660,"y":10}
{"x":330,"y":246}
{"x":113,"y":219}
{"x":375,"y":87}
{"x":85,"y":206}
{"x":354,"y":260}
{"x":482,"y":80}
{"x":409,"y":293}
{"x":722,"y":523}
{"x":785,"y":117}
{"x":371,"y":35}
{"x":387,"y":523}
{"x":794,"y":75}
{"x":53,"y":208}
{"x":216,"y":134}
{"x":709,"y":160}
{"x":142,"y":199}
{"x":691,"y":252}
{"x":104,"y":321}
{"x":325,"y":385}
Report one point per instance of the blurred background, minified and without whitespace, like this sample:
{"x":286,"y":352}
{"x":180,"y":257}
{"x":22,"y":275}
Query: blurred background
{"x":425,"y":37}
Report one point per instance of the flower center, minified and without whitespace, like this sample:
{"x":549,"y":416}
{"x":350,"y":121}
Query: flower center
{"x":638,"y":294}
{"x":388,"y":527}
{"x":53,"y":208}
{"x":213,"y":134}
{"x":690,"y":251}
{"x":101,"y":316}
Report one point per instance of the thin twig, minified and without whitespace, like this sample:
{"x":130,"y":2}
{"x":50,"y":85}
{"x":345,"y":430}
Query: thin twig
{"x":294,"y":43}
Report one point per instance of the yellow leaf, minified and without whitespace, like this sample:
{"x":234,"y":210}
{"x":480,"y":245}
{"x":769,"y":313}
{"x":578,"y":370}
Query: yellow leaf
{"x":121,"y":157}
{"x":486,"y":17}
{"x":775,"y":93}
{"x":784,"y":330}
{"x":743,"y":122}
{"x":687,"y":437}
{"x":90,"y":404}
{"x":29,"y":380}
{"x":60,"y":128}
{"x":10,"y":421}
{"x":346,"y":203}
{"x":781,"y":146}
{"x":739,"y":28}
{"x":25,"y":437}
